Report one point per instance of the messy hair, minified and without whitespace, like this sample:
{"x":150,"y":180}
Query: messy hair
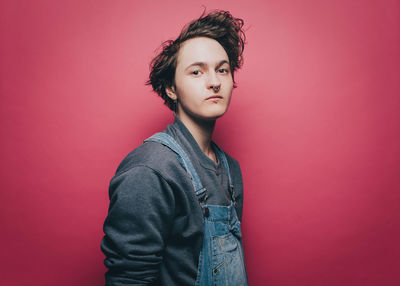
{"x":218,"y":25}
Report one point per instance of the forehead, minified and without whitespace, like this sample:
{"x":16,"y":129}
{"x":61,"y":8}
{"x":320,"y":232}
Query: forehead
{"x":200,"y":49}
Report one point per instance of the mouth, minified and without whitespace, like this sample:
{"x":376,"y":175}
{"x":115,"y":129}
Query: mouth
{"x":214,"y":97}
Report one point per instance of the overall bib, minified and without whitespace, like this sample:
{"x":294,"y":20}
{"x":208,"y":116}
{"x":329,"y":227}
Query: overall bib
{"x":221,"y":260}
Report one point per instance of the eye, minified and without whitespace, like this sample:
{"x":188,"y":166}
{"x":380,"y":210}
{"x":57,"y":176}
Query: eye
{"x":223,"y":70}
{"x":195,"y":72}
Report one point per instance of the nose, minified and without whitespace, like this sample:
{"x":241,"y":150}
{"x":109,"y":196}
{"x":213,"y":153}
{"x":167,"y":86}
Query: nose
{"x":214,"y":82}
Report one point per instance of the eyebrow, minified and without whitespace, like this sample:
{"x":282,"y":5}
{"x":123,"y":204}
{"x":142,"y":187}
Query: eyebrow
{"x":202,"y":64}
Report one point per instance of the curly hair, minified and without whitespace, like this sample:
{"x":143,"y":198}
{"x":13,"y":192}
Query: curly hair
{"x":218,"y":25}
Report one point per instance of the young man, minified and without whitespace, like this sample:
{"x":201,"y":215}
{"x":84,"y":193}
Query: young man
{"x":176,"y":200}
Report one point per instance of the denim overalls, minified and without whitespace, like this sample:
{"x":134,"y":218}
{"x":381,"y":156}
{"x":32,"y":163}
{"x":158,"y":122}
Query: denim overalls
{"x":221,"y":260}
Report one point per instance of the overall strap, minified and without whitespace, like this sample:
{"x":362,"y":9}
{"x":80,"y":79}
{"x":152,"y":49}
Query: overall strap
{"x":221,"y":155}
{"x":167,"y":140}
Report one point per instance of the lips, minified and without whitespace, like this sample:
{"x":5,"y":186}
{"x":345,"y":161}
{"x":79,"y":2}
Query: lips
{"x":214,"y":97}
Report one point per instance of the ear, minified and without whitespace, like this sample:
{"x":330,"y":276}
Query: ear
{"x":171,"y":92}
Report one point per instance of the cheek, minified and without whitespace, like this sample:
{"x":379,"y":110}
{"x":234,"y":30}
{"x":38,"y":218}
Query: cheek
{"x":228,"y":81}
{"x":191,"y":88}
{"x":229,"y":85}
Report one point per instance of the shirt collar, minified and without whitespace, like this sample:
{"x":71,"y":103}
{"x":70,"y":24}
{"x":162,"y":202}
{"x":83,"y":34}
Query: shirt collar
{"x":191,"y":145}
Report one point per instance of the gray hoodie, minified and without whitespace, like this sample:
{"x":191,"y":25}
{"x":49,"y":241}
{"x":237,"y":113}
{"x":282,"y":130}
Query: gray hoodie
{"x":154,"y":227}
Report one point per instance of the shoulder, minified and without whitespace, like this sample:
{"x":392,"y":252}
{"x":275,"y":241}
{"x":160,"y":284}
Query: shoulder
{"x":148,"y":169}
{"x":233,"y":163}
{"x":154,"y":157}
{"x":234,"y":166}
{"x":145,"y":154}
{"x":235,"y":171}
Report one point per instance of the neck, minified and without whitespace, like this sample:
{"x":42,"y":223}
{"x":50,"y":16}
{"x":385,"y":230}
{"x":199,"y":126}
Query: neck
{"x":201,"y":131}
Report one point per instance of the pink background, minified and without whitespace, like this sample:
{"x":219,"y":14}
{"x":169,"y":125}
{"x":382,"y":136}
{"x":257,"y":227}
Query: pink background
{"x":314,"y":123}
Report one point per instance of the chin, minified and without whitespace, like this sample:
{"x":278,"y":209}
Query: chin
{"x":210,"y":113}
{"x":215,"y":114}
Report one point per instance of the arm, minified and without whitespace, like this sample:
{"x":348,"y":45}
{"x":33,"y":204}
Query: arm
{"x":137,"y":225}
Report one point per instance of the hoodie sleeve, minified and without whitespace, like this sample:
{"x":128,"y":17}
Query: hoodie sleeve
{"x":136,"y":228}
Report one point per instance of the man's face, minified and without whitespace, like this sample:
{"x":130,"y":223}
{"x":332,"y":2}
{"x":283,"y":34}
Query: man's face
{"x":202,"y":67}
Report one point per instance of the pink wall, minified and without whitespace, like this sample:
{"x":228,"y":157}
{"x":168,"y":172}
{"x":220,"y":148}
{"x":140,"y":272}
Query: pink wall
{"x":314,"y":123}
